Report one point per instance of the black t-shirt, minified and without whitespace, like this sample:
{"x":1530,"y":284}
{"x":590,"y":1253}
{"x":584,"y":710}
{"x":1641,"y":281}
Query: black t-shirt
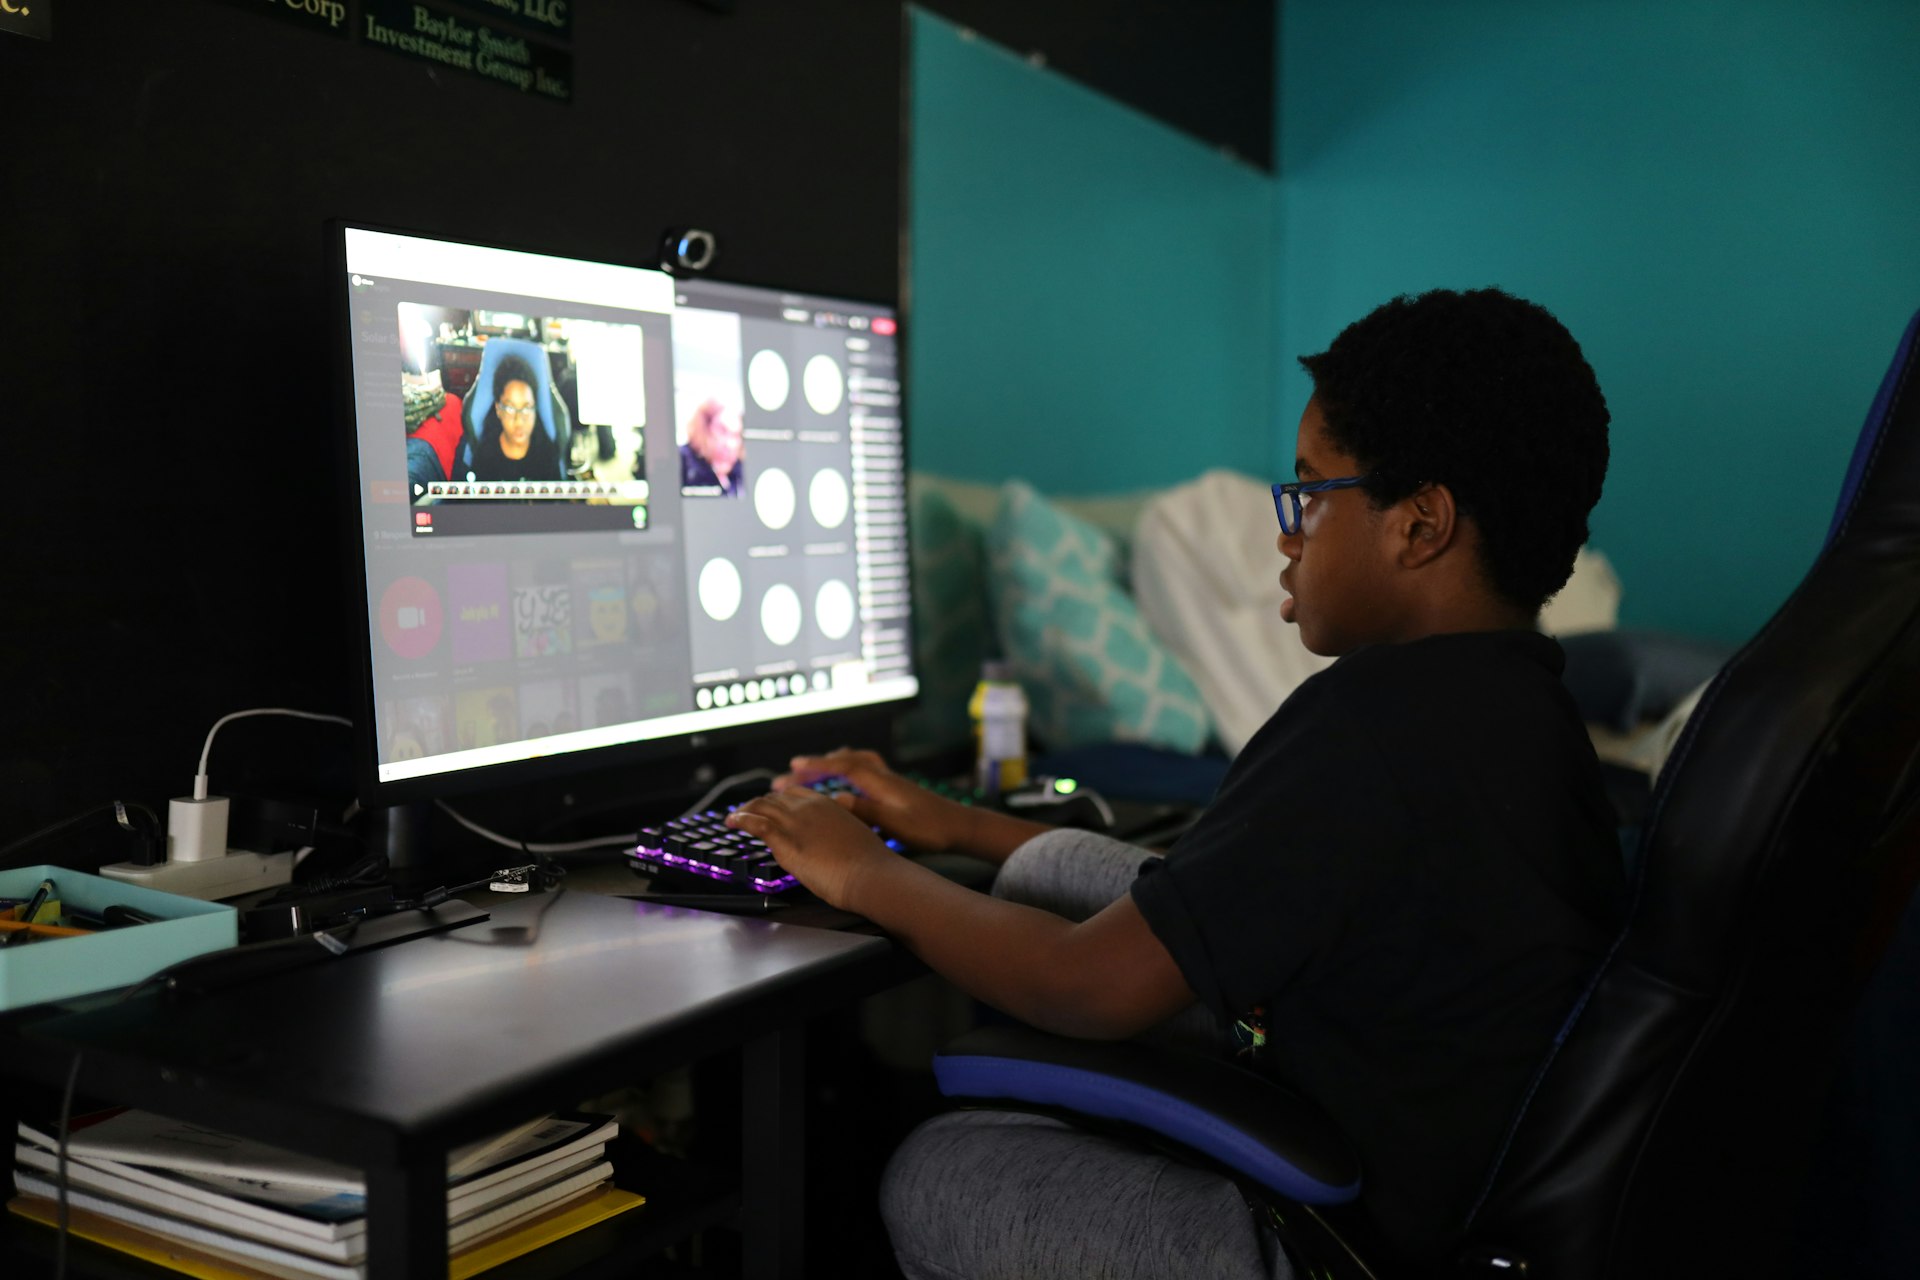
{"x":697,"y":473}
{"x":1413,"y":866}
{"x":542,"y":460}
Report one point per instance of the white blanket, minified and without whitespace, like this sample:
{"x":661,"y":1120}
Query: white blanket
{"x":1206,"y":575}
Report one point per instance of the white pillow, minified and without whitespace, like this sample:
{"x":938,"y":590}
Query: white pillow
{"x":1589,"y":602}
{"x":1206,"y":575}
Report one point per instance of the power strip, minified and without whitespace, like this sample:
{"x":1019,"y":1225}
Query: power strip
{"x":240,"y":871}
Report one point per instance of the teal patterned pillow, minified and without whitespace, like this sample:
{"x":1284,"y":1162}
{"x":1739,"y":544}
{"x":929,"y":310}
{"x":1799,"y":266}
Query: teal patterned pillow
{"x":1091,"y":669}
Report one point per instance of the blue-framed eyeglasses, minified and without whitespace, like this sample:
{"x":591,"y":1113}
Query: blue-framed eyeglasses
{"x":1286,"y":498}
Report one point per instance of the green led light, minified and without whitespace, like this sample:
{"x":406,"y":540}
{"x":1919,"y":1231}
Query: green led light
{"x":1065,"y":786}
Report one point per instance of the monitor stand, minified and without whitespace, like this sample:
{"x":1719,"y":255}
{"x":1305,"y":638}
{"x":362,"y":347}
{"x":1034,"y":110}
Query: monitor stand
{"x":402,"y":833}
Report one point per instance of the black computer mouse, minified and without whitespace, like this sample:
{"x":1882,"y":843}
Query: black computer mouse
{"x":1060,"y":802}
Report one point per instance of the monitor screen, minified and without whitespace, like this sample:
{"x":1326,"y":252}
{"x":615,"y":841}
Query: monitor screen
{"x":601,"y":508}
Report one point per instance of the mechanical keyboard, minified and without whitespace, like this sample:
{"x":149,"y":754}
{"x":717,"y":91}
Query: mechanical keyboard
{"x":724,"y":859}
{"x":698,"y":852}
{"x":702,"y":844}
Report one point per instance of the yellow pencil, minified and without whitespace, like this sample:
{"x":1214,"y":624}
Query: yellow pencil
{"x":45,"y":930}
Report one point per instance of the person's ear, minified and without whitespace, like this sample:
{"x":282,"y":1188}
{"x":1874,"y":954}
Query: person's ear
{"x":1429,"y":521}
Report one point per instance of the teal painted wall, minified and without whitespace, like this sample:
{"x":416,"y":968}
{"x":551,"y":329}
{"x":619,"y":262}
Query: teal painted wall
{"x":1717,"y":196}
{"x":1721,"y":198}
{"x":1091,"y":298}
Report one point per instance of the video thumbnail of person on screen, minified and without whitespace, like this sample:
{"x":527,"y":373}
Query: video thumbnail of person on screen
{"x":712,"y":451}
{"x":709,"y":404}
{"x":508,"y":408}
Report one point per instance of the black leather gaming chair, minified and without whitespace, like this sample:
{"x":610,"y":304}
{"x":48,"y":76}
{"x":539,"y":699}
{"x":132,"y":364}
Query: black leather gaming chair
{"x":1670,"y":1131}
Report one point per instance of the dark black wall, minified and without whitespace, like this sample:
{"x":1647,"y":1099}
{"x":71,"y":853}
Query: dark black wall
{"x":172,"y":534}
{"x":173,"y":547}
{"x":1203,"y":66}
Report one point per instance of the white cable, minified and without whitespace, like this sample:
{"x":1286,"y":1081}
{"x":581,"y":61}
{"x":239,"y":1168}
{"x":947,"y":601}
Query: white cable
{"x":570,"y":846}
{"x":1100,"y":803}
{"x":723,"y":786}
{"x":300,"y":855}
{"x":200,"y":778}
{"x":598,"y":842}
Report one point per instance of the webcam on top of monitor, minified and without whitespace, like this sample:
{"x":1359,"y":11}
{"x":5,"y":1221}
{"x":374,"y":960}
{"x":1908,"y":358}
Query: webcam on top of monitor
{"x":687,"y":250}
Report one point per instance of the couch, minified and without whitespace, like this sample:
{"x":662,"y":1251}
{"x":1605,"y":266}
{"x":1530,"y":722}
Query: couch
{"x":1144,"y":627}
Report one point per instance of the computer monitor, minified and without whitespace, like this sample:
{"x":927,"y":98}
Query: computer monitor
{"x":599,"y":513}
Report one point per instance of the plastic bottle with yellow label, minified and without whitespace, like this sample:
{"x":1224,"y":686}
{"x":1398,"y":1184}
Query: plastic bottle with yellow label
{"x":999,"y":712}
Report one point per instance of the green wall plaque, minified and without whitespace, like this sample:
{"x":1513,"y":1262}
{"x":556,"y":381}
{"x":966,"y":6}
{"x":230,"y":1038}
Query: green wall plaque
{"x":552,"y":18}
{"x":457,"y":42}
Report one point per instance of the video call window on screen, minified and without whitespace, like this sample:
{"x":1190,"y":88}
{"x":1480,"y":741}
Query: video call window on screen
{"x":635,"y":508}
{"x":501,"y":407}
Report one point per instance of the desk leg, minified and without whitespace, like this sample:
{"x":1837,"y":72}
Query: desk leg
{"x":11,"y":1114}
{"x":773,"y":1177}
{"x":407,"y":1222}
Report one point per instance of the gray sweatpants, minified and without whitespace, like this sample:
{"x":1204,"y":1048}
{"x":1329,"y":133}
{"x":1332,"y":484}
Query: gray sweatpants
{"x":997,"y":1195}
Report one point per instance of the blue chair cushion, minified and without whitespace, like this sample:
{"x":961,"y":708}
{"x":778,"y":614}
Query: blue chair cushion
{"x":1226,"y":1113}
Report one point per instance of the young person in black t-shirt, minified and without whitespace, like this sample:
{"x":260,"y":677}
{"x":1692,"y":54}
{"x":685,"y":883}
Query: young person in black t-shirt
{"x":1409,"y":871}
{"x":514,"y":445}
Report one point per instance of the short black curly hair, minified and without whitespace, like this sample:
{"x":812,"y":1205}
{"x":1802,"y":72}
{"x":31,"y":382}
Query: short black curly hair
{"x":513,"y":369}
{"x":1489,"y":395}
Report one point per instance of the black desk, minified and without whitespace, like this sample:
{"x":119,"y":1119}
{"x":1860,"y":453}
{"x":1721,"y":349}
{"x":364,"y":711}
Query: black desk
{"x":386,"y":1059}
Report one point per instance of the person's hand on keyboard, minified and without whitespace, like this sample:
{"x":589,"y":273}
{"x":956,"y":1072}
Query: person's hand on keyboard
{"x":819,"y":841}
{"x":902,"y":808}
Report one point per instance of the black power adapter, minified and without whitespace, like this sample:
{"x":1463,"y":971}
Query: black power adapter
{"x":310,"y":913}
{"x":263,"y":824}
{"x":150,"y":843}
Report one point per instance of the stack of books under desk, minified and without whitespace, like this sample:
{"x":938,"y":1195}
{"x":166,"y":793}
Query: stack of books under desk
{"x":224,"y":1208}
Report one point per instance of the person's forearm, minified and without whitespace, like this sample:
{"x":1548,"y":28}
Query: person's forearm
{"x":1019,"y":959}
{"x":992,"y":835}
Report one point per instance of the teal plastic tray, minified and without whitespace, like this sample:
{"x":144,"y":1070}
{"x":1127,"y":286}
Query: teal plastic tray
{"x":56,"y":968}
